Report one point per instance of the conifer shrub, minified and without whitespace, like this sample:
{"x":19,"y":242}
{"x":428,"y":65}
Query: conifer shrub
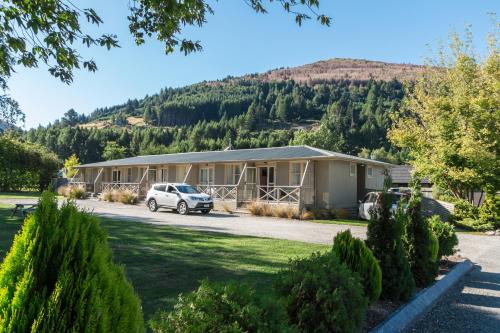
{"x":420,"y":242}
{"x":322,"y":295}
{"x":446,"y":236}
{"x":359,"y":258}
{"x":385,"y":240}
{"x":59,"y":277}
{"x":230,"y":307}
{"x":489,"y":212}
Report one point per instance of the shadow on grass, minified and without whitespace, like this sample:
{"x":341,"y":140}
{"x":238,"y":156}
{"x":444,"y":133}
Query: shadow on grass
{"x":163,"y":261}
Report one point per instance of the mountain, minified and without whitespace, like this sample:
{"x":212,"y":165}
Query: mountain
{"x":339,"y":104}
{"x":343,"y":69}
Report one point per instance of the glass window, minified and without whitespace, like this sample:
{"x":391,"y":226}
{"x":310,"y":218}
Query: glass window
{"x":116,"y":176}
{"x":187,"y":189}
{"x":129,"y":175}
{"x":352,"y":169}
{"x":206,"y":176}
{"x":295,"y":173}
{"x":164,"y":175}
{"x":160,"y":188}
{"x":369,"y":171}
{"x":271,"y":176}
{"x":233,"y":173}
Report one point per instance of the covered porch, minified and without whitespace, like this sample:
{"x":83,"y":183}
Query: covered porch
{"x":273,"y":182}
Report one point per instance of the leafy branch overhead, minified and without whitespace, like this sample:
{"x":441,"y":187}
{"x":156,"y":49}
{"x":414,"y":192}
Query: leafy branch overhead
{"x":50,"y":31}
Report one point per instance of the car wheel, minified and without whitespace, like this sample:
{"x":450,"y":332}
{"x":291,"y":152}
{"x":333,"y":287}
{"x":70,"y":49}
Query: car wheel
{"x":182,"y":208}
{"x":205,"y":211}
{"x":152,"y":205}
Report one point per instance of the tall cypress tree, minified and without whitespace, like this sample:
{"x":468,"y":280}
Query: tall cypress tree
{"x":385,"y":240}
{"x":59,"y":277}
{"x":419,"y":240}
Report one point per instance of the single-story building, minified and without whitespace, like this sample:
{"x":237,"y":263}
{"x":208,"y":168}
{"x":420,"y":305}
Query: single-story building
{"x":300,"y":175}
{"x":401,"y":177}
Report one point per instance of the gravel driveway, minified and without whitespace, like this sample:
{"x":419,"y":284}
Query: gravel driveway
{"x":472,"y":306}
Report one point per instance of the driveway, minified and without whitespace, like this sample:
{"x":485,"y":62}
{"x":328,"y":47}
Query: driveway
{"x":472,"y":306}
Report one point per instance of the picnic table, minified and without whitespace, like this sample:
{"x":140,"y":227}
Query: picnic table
{"x":24,"y":209}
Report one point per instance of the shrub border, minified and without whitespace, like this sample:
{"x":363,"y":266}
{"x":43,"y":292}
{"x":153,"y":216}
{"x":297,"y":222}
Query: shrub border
{"x":403,"y":317}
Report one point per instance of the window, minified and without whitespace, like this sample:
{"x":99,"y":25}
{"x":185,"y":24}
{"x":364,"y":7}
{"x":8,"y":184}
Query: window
{"x":296,"y":170}
{"x":129,"y":175}
{"x":352,"y":169}
{"x":164,"y":175}
{"x":160,"y":188}
{"x":180,"y":173}
{"x":369,"y":172}
{"x":207,"y":176}
{"x":116,"y":176}
{"x":233,"y":173}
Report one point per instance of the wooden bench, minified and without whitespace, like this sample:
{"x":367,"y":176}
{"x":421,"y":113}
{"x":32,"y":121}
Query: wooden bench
{"x":24,"y":209}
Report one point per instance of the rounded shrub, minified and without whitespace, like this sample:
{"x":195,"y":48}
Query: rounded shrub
{"x":322,"y":295}
{"x":489,"y":212}
{"x":359,"y":258}
{"x":446,"y":236}
{"x":230,"y":307}
{"x":59,"y":277}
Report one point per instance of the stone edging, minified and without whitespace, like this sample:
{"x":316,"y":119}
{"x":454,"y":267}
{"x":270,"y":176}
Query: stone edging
{"x":422,"y":302}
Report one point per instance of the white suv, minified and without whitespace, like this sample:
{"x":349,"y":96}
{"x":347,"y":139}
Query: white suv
{"x":178,"y":196}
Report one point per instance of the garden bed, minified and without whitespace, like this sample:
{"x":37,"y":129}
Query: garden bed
{"x":382,"y":309}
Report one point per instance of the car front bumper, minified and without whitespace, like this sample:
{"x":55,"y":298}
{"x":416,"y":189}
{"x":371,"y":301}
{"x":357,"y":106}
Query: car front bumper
{"x":201,"y":205}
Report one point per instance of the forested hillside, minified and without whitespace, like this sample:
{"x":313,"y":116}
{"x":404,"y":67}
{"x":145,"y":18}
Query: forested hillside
{"x":341,"y":115}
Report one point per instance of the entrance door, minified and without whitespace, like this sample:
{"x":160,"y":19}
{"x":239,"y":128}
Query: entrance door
{"x":266,"y":181}
{"x":250,"y":184}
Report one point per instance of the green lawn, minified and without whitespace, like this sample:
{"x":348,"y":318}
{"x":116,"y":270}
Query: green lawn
{"x":362,"y":223}
{"x":19,"y":195}
{"x":163,"y":261}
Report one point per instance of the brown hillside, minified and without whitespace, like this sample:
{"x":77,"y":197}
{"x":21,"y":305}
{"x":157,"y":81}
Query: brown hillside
{"x":343,"y":69}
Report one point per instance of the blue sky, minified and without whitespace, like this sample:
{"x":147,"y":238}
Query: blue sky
{"x":237,"y":41}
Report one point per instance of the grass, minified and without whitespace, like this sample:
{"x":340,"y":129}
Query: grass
{"x":361,"y":223}
{"x":19,"y":195}
{"x":163,"y":261}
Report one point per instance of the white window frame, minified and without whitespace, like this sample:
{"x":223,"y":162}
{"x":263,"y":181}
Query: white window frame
{"x":235,"y":177}
{"x":119,"y":176}
{"x":369,"y":172}
{"x":164,"y":175}
{"x":210,"y":175}
{"x":351,"y":165}
{"x":292,"y":173}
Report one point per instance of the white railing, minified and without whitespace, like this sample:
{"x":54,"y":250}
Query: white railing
{"x":134,"y":187}
{"x":220,"y":192}
{"x":278,"y":194}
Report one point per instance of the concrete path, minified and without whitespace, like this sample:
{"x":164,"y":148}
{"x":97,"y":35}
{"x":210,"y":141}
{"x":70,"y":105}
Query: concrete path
{"x":472,"y":306}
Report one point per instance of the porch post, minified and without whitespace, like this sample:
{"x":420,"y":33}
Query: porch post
{"x":302,"y":183}
{"x":72,"y":180}
{"x":142,"y":179}
{"x":239,"y":182}
{"x":97,"y":178}
{"x":187,"y":173}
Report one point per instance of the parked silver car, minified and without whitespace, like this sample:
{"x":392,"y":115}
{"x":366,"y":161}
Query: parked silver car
{"x":181,"y":197}
{"x":370,"y":200}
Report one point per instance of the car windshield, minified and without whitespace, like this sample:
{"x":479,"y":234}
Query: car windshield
{"x":187,"y":189}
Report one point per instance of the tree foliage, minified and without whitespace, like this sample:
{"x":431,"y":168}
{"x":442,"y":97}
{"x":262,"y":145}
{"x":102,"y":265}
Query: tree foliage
{"x":25,"y":166}
{"x":359,"y":258}
{"x":207,"y":116}
{"x":59,"y":277}
{"x":450,"y":122}
{"x":421,"y":244}
{"x":69,"y":165}
{"x":384,"y":238}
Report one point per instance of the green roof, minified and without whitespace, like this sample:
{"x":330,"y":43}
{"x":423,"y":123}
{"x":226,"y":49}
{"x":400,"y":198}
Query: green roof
{"x":237,"y":155}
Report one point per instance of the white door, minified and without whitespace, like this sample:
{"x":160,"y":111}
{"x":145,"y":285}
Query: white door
{"x":171,"y":196}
